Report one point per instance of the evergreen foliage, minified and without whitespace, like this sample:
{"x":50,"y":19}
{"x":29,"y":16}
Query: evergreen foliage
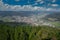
{"x":27,"y":32}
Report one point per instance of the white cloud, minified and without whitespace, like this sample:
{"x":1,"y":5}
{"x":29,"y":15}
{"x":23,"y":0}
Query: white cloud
{"x":41,"y":2}
{"x":53,"y":9}
{"x":53,"y":1}
{"x":38,"y":0}
{"x":49,"y":9}
{"x":54,"y":5}
{"x":35,"y":3}
{"x":6,"y":7}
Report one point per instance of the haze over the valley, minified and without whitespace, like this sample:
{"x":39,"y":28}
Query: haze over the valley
{"x":30,"y":17}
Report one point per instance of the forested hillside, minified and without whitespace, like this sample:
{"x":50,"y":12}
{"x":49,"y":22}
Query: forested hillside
{"x":27,"y":32}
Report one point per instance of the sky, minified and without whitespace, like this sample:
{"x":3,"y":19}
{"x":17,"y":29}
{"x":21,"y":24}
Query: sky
{"x":29,"y":5}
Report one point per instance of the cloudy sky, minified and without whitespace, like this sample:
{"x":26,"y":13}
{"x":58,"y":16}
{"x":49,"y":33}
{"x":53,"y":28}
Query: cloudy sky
{"x":29,"y":5}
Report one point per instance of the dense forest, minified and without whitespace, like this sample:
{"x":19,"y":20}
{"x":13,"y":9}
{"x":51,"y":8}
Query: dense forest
{"x":27,"y":32}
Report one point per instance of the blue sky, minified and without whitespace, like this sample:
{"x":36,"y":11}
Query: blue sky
{"x":29,"y":5}
{"x":19,"y":2}
{"x":31,"y":2}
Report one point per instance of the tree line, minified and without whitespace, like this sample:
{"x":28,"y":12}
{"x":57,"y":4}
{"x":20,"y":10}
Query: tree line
{"x":27,"y":32}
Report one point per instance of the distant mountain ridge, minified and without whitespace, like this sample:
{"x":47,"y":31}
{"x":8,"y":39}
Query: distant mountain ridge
{"x":21,"y":13}
{"x":17,"y":13}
